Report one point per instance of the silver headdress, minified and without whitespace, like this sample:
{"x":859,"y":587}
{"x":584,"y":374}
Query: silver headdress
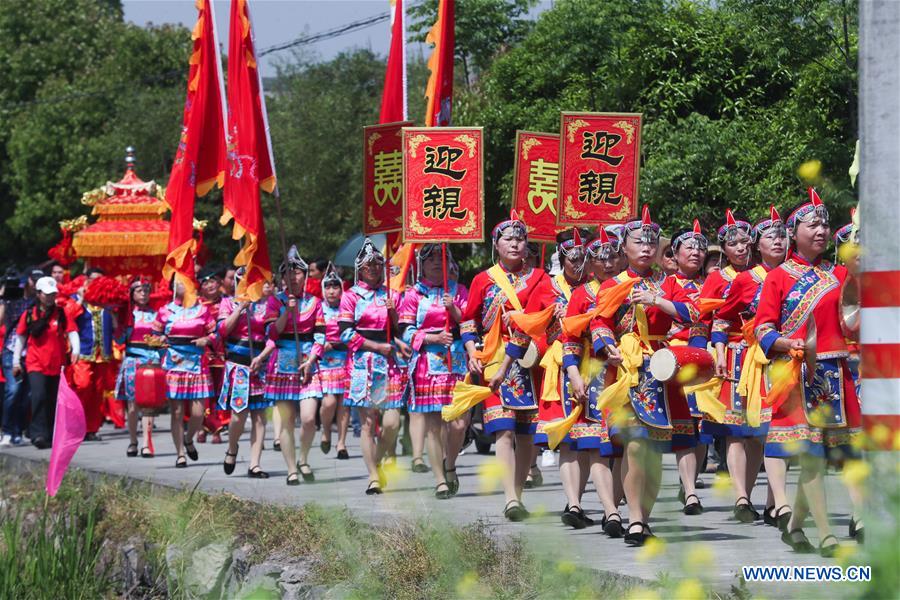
{"x":369,"y":253}
{"x":331,"y":277}
{"x":293,"y":261}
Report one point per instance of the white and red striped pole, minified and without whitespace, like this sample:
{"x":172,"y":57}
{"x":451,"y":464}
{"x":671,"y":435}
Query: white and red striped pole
{"x":879,"y":124}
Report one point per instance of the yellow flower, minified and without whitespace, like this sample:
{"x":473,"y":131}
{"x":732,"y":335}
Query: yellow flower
{"x":652,"y":548}
{"x":490,"y":475}
{"x":642,"y":593}
{"x":793,"y":446}
{"x":880,"y":434}
{"x":897,"y":440}
{"x":856,"y":472}
{"x":698,"y":558}
{"x":565,"y":566}
{"x":848,"y":251}
{"x":722,"y":485}
{"x":394,"y":473}
{"x":467,"y":584}
{"x":810,"y":170}
{"x":845,"y":553}
{"x":686,"y":374}
{"x":779,"y":370}
{"x":689,"y":589}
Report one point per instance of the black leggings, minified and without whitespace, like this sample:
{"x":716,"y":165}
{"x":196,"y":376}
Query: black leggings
{"x":44,"y":389}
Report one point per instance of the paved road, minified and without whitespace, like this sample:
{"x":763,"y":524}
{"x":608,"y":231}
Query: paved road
{"x":411,"y":494}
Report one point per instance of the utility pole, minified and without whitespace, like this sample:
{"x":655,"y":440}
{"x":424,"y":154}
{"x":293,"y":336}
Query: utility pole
{"x":879,"y":126}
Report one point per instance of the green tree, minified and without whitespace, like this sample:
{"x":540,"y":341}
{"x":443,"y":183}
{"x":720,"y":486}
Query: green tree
{"x":483,"y":29}
{"x":80,"y":86}
{"x":317,"y":111}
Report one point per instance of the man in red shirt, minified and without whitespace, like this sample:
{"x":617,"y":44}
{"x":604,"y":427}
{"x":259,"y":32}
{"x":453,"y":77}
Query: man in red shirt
{"x":42,"y":332}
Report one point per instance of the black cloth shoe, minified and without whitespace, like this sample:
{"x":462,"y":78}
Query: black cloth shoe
{"x":342,"y":454}
{"x":515,"y":511}
{"x":743,"y":511}
{"x":257,"y":473}
{"x":191,"y":449}
{"x":227,"y":466}
{"x":798,"y":541}
{"x":636,"y":538}
{"x":612,"y":525}
{"x":692,"y":508}
{"x":573,"y":517}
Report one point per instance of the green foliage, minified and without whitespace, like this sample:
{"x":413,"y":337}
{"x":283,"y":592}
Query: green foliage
{"x":483,"y":29}
{"x":317,"y":111}
{"x":83,"y":87}
{"x":56,"y":556}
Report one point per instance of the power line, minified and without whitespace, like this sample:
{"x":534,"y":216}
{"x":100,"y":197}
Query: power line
{"x":326,"y":35}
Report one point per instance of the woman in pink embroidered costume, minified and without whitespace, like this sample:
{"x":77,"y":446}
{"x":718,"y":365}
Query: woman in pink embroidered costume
{"x":746,"y":420}
{"x":243,"y":324}
{"x":429,"y":318}
{"x":642,"y":409}
{"x":368,"y":314}
{"x":689,"y":248}
{"x":298,"y":335}
{"x":815,"y":410}
{"x":333,"y":366}
{"x":456,"y":430}
{"x":215,"y":420}
{"x":137,"y":354}
{"x":510,"y":412}
{"x":188,"y":331}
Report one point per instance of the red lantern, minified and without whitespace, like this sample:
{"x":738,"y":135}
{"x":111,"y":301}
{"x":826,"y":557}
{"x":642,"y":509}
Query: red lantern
{"x":150,"y":387}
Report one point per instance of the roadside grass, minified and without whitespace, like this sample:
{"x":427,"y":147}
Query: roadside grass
{"x":57,"y":551}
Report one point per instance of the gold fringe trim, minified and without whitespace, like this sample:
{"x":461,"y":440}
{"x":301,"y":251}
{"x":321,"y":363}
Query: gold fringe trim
{"x":268,"y":184}
{"x":149,"y":208}
{"x":204,"y":186}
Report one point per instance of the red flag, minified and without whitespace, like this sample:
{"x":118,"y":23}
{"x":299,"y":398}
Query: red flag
{"x":393,"y":97}
{"x":68,"y":432}
{"x":250,"y":164}
{"x":439,"y":90}
{"x":200,"y":159}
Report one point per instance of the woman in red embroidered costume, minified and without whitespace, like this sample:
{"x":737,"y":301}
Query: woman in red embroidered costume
{"x":587,"y":378}
{"x":815,"y":410}
{"x":689,"y":251}
{"x":510,"y":411}
{"x":846,"y":252}
{"x":643,"y":409}
{"x":546,"y":308}
{"x":746,"y":419}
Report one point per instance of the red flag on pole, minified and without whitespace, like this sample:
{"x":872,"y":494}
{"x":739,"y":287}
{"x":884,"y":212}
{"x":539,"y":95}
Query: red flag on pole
{"x":393,"y":97}
{"x":249,"y":154}
{"x":439,"y":91}
{"x":200,"y":159}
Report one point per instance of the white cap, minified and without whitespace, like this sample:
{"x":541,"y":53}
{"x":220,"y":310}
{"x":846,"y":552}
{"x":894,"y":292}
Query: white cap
{"x":46,"y":285}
